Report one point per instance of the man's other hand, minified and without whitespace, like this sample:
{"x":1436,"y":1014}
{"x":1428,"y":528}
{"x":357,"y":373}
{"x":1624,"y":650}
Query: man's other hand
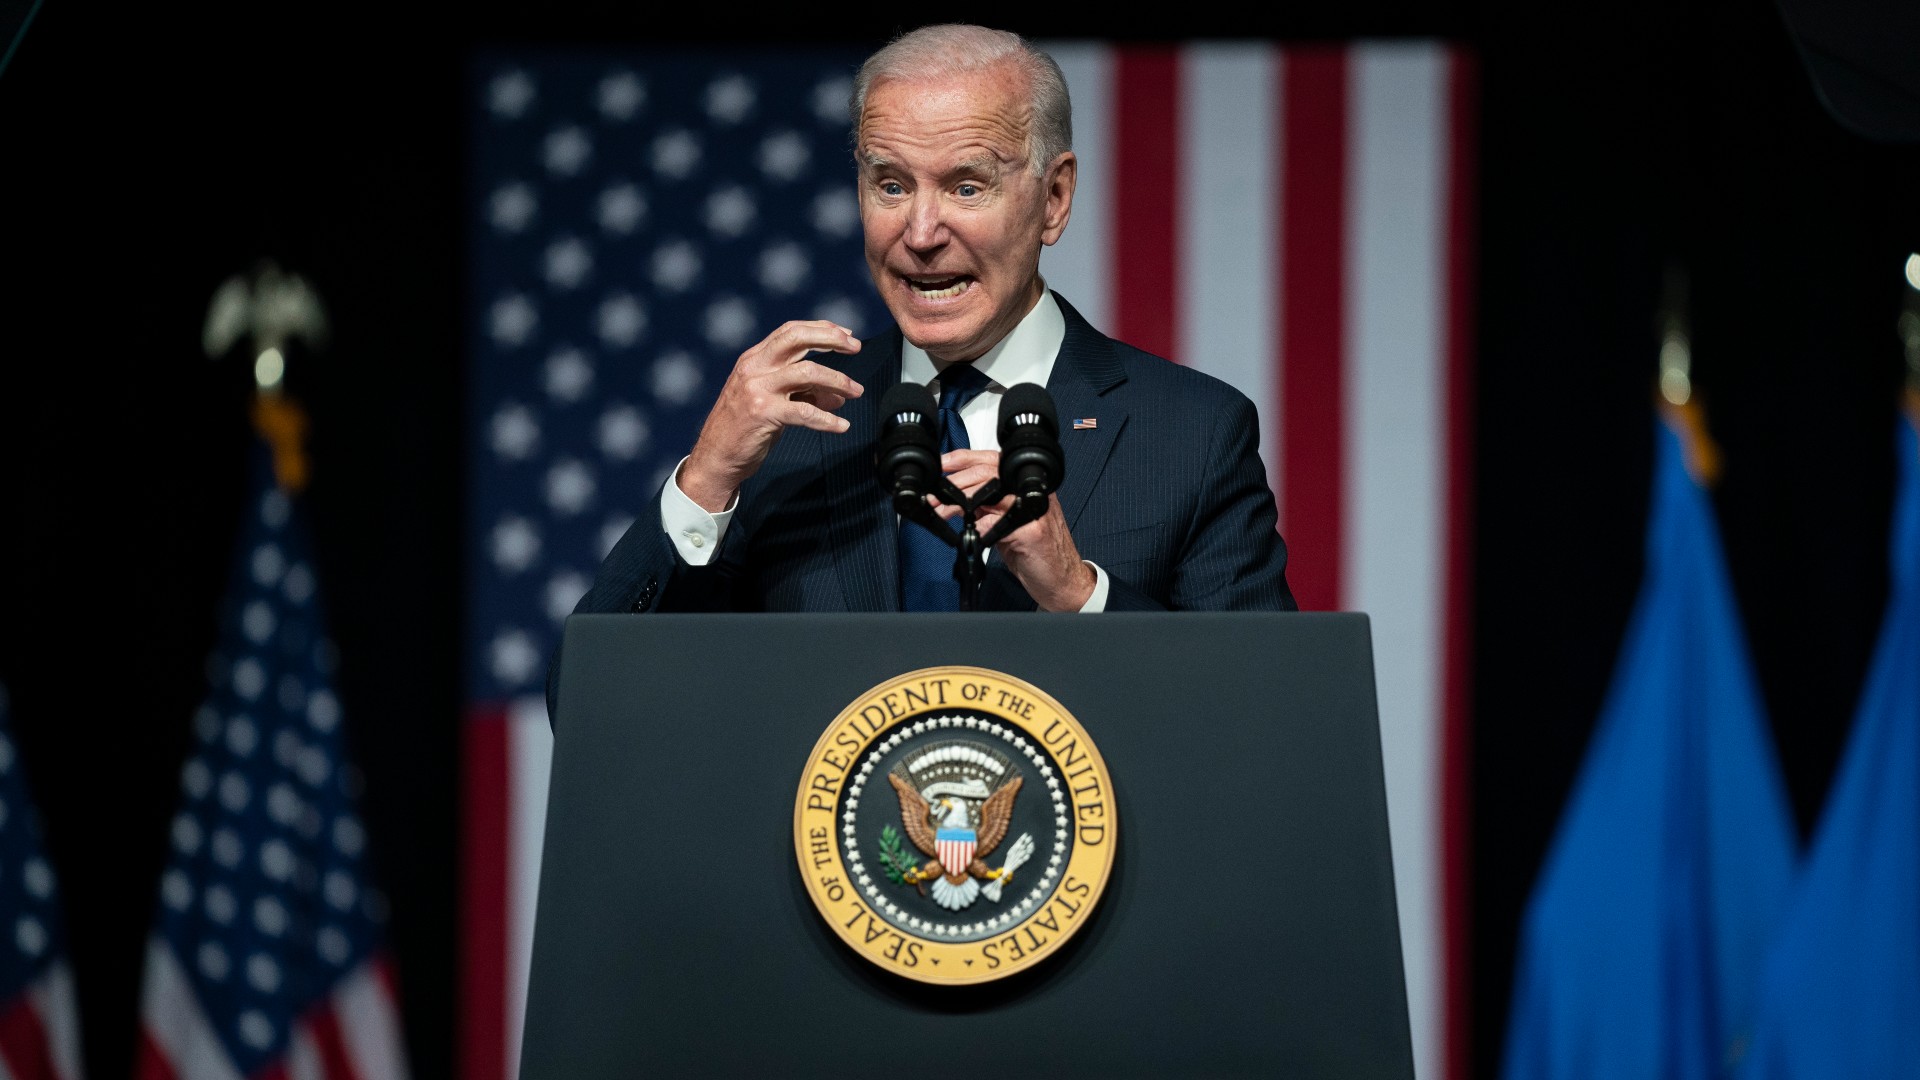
{"x":1041,"y":554}
{"x":772,"y":387}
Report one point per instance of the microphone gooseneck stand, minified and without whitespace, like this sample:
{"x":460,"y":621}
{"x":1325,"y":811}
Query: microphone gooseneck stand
{"x":970,"y":548}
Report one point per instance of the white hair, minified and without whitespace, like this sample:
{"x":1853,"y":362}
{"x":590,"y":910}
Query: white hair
{"x":935,"y":52}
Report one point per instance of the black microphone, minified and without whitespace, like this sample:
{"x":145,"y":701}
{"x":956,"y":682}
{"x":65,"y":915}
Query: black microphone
{"x":1030,"y":459}
{"x":908,"y":460}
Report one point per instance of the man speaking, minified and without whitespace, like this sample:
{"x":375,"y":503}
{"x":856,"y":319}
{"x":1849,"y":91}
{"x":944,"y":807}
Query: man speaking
{"x":963,"y":144}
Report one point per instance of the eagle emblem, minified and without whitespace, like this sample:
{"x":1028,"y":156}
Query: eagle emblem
{"x":956,"y":802}
{"x":993,"y":845}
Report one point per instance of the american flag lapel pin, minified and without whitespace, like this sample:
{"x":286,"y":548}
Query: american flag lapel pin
{"x":1087,"y":424}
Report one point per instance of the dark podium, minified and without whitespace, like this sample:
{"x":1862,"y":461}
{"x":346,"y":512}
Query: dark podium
{"x":1247,"y":927}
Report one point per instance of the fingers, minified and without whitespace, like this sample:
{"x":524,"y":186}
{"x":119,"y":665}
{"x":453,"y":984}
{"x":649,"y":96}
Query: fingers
{"x":796,"y":339}
{"x":970,"y":469}
{"x":772,"y":386}
{"x":955,"y":460}
{"x":822,"y":399}
{"x":807,"y":415}
{"x":972,"y":479}
{"x":808,"y":377}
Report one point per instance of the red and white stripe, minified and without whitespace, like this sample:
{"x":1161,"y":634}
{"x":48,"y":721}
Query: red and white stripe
{"x":353,"y":1035}
{"x":509,"y":754}
{"x":955,"y":855}
{"x":1298,"y":222}
{"x":40,"y":1030}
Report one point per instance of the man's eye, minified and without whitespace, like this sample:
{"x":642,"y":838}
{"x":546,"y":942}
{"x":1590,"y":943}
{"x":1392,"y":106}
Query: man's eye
{"x":968,"y":191}
{"x":891,"y":188}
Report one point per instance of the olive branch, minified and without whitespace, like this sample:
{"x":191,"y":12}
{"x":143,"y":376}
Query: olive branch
{"x":895,"y":857}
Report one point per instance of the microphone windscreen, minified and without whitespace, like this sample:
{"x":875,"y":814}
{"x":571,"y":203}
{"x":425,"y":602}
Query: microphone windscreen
{"x":907,"y":402}
{"x":907,"y":459}
{"x":1028,"y":403}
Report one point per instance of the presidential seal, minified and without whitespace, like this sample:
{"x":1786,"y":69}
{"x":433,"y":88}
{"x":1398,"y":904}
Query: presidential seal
{"x":955,"y":825}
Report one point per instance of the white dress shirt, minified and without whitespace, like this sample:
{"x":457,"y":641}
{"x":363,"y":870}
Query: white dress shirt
{"x":1026,"y":355}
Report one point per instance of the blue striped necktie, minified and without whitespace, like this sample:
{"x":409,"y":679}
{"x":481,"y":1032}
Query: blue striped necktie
{"x":926,"y":563}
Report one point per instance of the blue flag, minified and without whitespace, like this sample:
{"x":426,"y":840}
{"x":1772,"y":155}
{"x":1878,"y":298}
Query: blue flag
{"x":1648,"y":927}
{"x":1842,"y":991}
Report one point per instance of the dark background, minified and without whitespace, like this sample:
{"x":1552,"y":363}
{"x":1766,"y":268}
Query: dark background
{"x":145,"y":155}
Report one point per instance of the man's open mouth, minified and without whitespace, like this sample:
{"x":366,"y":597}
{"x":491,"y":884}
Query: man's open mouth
{"x":932,"y":288}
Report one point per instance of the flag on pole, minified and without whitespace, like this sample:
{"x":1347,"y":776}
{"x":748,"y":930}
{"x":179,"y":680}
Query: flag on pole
{"x":1841,"y":997}
{"x":1642,"y":946}
{"x":39,"y":1019}
{"x":1302,"y":229}
{"x":266,"y":957}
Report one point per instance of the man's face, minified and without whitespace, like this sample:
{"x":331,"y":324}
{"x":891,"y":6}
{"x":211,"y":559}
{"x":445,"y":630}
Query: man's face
{"x":953,"y":213}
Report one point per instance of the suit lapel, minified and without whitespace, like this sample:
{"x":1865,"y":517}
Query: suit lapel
{"x":1086,"y":370}
{"x":861,"y":521}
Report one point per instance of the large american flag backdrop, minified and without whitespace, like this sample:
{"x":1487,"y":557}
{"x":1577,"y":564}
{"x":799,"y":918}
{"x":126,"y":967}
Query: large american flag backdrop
{"x":1296,"y":221}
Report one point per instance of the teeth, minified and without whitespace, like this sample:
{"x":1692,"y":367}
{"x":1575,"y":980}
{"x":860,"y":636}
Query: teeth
{"x":927,"y":290}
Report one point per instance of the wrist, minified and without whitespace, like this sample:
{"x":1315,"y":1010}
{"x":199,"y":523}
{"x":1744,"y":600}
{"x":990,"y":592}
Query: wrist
{"x":710,"y":493}
{"x":1078,"y":590}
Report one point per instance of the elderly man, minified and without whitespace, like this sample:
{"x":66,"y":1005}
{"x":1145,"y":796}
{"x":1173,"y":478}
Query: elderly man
{"x":962,"y":137}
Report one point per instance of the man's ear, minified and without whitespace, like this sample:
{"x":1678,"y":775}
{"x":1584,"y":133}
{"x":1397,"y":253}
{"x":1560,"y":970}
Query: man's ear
{"x":1060,"y":179}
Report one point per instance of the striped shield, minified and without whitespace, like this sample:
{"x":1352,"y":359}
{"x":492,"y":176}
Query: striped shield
{"x":955,"y":847}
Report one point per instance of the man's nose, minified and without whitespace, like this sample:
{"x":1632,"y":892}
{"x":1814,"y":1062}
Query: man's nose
{"x":926,"y":225}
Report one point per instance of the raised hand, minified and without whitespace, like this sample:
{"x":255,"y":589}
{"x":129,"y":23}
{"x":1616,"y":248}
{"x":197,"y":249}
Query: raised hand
{"x":772,"y":387}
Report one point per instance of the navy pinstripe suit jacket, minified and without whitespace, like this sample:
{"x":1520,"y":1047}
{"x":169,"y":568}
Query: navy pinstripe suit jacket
{"x":1167,"y":495}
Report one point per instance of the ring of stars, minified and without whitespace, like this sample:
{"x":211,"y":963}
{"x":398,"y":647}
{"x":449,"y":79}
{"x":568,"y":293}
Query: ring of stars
{"x":1014,"y":912}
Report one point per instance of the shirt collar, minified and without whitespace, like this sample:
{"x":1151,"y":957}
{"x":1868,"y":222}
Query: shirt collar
{"x":1025,"y":355}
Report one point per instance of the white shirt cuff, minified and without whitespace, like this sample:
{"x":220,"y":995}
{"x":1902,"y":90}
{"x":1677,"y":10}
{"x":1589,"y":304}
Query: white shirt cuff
{"x":1096,"y":603}
{"x":695,"y":532}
